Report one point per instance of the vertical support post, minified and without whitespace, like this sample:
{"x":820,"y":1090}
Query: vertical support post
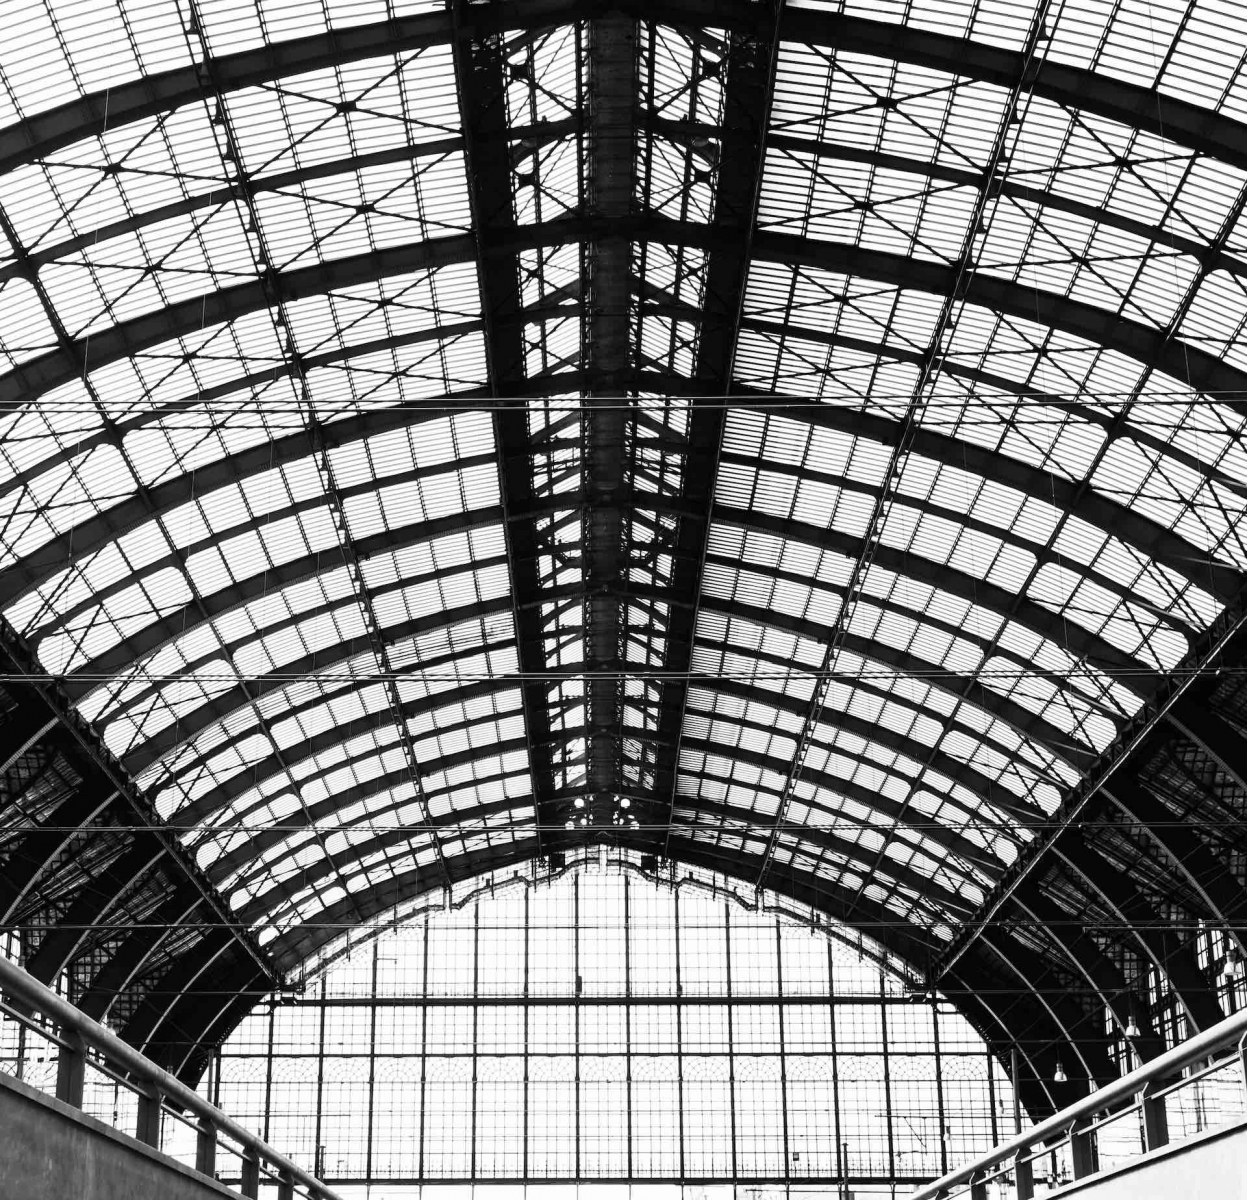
{"x":1017,"y":1091}
{"x":320,"y":1087}
{"x":679,"y":1026}
{"x":71,"y":1068}
{"x":978,"y":1188}
{"x":731,"y":1040}
{"x":268,"y":1070}
{"x":205,"y":1148}
{"x":842,"y":1157}
{"x":783,"y":1050}
{"x":576,"y":992}
{"x":939,"y":1087}
{"x":147,"y":1127}
{"x":1082,"y":1151}
{"x":476,"y":1033}
{"x":285,"y":1186}
{"x":372,"y":1061}
{"x":1024,"y":1174}
{"x":888,"y":1106}
{"x":424,"y":1048}
{"x":528,"y":1022}
{"x":249,"y":1185}
{"x":1155,"y":1118}
{"x":627,"y":896}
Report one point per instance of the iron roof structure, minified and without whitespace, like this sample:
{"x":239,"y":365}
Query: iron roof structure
{"x":800,"y":441}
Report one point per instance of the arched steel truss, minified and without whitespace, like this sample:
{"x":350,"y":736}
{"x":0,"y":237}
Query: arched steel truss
{"x":895,"y":633}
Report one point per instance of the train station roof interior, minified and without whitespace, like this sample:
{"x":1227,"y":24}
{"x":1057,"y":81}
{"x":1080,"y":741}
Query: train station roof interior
{"x":796,"y":443}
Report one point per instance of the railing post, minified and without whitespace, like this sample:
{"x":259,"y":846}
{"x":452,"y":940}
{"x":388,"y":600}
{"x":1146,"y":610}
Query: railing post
{"x":978,"y":1188}
{"x":205,"y":1147}
{"x":1082,"y":1151}
{"x":71,"y":1067}
{"x":250,"y":1183}
{"x":148,"y":1126}
{"x":285,"y":1186}
{"x":1024,"y":1174}
{"x":1155,"y":1118}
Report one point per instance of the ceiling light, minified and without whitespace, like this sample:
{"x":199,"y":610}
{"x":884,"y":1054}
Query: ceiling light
{"x":624,"y":802}
{"x":580,"y":802}
{"x":1132,"y":1027}
{"x":1233,"y":968}
{"x":1059,"y":1076}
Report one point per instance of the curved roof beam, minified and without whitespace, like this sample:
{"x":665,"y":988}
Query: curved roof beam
{"x":191,"y":722}
{"x":1029,"y":614}
{"x":797,"y":708}
{"x":174,"y":625}
{"x":295,"y":885}
{"x":245,"y":857}
{"x":1043,"y":553}
{"x":237,"y":700}
{"x":41,"y":374}
{"x":98,"y":596}
{"x":1133,"y":527}
{"x":1137,"y":107}
{"x":257,"y":773}
{"x":1100,"y":972}
{"x":91,"y":905}
{"x":1010,"y":805}
{"x":1212,"y":256}
{"x":1205,"y":872}
{"x":1080,"y":642}
{"x":325,"y":659}
{"x":1160,"y":945}
{"x":1174,"y":357}
{"x":821,"y":781}
{"x":988,"y":790}
{"x":1020,"y":719}
{"x":127,"y":962}
{"x":39,"y":848}
{"x":1048,"y":990}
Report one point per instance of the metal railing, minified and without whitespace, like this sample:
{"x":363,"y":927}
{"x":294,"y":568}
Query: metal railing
{"x":1183,"y":1087}
{"x":163,"y":1105}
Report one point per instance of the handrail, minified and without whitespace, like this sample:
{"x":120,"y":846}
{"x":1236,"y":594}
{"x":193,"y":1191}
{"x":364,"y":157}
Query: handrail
{"x":16,"y":982}
{"x":1161,"y":1068}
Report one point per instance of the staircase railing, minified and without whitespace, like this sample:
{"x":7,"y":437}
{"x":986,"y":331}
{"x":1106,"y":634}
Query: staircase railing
{"x":1195,"y":1086}
{"x":83,"y":1049}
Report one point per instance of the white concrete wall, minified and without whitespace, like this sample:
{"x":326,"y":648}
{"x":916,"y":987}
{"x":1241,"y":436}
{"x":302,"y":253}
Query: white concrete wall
{"x":1210,"y":1167}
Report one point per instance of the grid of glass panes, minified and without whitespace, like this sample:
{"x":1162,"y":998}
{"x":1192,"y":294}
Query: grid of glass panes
{"x":603,"y":1027}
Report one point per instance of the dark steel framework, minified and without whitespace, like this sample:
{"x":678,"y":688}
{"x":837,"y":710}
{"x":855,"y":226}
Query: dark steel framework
{"x":374,"y":518}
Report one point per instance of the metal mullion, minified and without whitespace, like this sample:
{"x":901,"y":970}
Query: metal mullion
{"x":679,"y":1030}
{"x":577,"y":990}
{"x":319,"y":1156}
{"x":476,"y":1009}
{"x":783,"y":1048}
{"x":528,"y":1015}
{"x":840,"y":1147}
{"x":731,"y":1031}
{"x":627,"y":882}
{"x":939,"y":1084}
{"x":424,"y":1048}
{"x":268,"y":1072}
{"x":372,"y":1061}
{"x":887,"y":1082}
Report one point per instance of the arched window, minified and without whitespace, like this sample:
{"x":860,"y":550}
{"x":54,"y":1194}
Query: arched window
{"x":599,"y":1025}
